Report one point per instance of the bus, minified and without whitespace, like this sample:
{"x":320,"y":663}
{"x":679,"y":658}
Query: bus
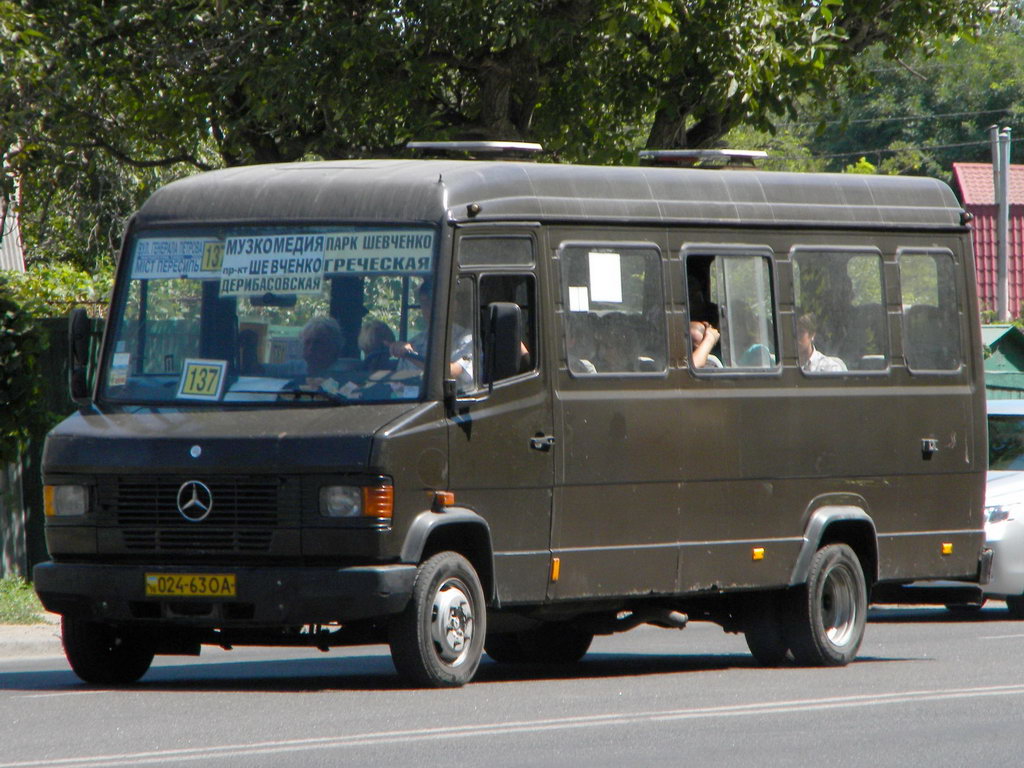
{"x":468,"y":405}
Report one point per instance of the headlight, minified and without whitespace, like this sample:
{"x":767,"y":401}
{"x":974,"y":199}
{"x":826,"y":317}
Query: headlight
{"x":65,"y":500}
{"x":341,"y":501}
{"x":374,"y":501}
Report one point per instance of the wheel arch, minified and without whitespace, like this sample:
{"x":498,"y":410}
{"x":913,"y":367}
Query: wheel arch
{"x":455,"y":529}
{"x":839,"y":524}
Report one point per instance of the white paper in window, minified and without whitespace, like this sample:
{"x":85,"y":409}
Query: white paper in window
{"x":579,"y":300}
{"x":605,"y":278}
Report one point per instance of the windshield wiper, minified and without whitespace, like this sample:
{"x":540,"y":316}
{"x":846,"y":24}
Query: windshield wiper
{"x":319,"y":393}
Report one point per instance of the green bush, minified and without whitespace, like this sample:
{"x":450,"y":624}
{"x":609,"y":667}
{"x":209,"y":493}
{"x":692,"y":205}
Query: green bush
{"x":20,"y":382}
{"x":48,"y":291}
{"x":18,"y":602}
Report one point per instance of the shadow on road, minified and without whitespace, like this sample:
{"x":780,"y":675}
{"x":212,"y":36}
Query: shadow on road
{"x":937,"y":614}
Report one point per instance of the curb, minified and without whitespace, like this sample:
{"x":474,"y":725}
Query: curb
{"x":21,"y":641}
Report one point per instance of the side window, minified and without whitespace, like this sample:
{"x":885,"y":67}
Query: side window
{"x":931,"y":322}
{"x":615,"y":321}
{"x":467,"y":362}
{"x":841,"y":320}
{"x":462,"y":336}
{"x":732,"y":311}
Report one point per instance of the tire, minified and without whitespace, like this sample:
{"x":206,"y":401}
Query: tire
{"x":438,"y":640}
{"x":1015,"y":606}
{"x":827,"y":614}
{"x":550,"y":643}
{"x":765,"y":632}
{"x":103,"y":655}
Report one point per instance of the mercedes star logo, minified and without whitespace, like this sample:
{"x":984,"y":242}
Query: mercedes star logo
{"x":195,"y":501}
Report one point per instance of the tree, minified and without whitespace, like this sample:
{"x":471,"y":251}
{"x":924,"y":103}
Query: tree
{"x":922,"y":114}
{"x":110,"y":98}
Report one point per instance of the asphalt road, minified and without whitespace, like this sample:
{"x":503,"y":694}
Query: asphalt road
{"x":927,"y":690}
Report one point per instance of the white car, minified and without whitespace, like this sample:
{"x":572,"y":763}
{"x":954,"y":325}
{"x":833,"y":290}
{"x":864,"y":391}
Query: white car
{"x":1004,"y":503}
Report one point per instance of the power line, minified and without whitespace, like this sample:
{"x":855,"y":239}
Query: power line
{"x":904,"y":118}
{"x":894,"y":150}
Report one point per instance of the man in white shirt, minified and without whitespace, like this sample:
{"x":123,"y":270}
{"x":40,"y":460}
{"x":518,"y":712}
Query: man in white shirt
{"x":811,"y":360}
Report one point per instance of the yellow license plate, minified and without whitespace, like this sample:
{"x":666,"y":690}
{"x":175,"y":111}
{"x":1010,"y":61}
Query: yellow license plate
{"x":190,"y":585}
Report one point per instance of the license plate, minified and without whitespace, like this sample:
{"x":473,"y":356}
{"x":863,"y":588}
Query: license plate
{"x":190,"y":585}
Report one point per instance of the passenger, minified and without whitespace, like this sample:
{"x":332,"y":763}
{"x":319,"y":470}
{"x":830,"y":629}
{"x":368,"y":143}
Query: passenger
{"x":811,"y":360}
{"x":703,"y":338}
{"x":322,"y":342}
{"x":411,"y":354}
{"x":375,"y":338}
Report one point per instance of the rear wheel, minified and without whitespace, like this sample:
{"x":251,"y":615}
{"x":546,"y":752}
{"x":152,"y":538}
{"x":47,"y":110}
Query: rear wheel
{"x":828,"y":613}
{"x":437,"y":641}
{"x":103,"y":655}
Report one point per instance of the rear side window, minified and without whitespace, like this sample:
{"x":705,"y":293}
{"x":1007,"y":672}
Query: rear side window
{"x":731,"y":295}
{"x":615,"y":309}
{"x":841,"y":319}
{"x":931,"y":317}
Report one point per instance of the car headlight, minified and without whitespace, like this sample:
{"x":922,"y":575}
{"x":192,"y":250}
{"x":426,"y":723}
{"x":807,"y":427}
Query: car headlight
{"x":374,"y":501}
{"x":65,"y":500}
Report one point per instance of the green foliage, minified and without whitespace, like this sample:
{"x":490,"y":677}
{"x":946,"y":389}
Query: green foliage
{"x":53,"y":290}
{"x":861,"y":166}
{"x":100,"y":102}
{"x":929,"y":109}
{"x":20,"y":385}
{"x":18,"y":602}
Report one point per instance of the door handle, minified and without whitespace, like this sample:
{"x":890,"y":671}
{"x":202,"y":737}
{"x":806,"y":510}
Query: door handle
{"x":542,"y":442}
{"x":929,"y":447}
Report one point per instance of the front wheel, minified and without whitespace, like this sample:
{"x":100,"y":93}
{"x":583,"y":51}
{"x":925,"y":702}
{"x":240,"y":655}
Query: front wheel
{"x":103,"y":655}
{"x":828,"y":613}
{"x":437,"y":641}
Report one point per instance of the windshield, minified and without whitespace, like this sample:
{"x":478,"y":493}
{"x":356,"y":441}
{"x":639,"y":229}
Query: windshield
{"x":1006,"y":442}
{"x":283,"y":314}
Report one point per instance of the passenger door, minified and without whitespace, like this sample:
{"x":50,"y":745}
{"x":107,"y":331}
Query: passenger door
{"x":616,"y":517}
{"x":501,"y":441}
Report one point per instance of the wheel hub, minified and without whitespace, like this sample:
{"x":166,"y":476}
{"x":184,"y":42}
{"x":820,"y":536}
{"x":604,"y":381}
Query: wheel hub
{"x":452,"y":622}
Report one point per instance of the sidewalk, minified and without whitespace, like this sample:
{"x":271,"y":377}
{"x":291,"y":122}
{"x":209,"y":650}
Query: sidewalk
{"x":28,"y":640}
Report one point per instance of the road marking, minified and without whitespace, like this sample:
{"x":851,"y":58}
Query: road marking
{"x":58,"y":693}
{"x":490,"y":730}
{"x":1002,"y":637}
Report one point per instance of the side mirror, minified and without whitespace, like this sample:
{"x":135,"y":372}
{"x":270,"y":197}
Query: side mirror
{"x":503,"y":356}
{"x":79,"y":338}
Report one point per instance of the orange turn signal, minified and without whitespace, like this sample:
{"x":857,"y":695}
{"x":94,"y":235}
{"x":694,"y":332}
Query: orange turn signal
{"x":443,"y":499}
{"x":378,"y":501}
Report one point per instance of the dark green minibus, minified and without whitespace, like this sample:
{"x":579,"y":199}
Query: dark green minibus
{"x":463,"y":406}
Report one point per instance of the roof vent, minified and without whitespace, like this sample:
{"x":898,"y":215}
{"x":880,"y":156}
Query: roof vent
{"x":475,"y":149}
{"x":703,"y":158}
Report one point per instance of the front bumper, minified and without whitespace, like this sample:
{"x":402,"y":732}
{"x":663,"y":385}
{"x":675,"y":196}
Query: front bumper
{"x":265,"y":597}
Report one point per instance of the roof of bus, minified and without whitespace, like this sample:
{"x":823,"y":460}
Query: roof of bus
{"x":432,"y":190}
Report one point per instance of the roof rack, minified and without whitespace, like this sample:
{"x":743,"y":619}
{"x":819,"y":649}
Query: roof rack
{"x":704,"y":158}
{"x":477,"y":148}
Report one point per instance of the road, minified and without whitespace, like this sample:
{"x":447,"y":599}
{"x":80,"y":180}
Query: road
{"x":927,"y":690}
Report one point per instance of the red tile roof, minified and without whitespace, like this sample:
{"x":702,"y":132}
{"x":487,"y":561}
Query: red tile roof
{"x":974,"y":181}
{"x":975,"y":188}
